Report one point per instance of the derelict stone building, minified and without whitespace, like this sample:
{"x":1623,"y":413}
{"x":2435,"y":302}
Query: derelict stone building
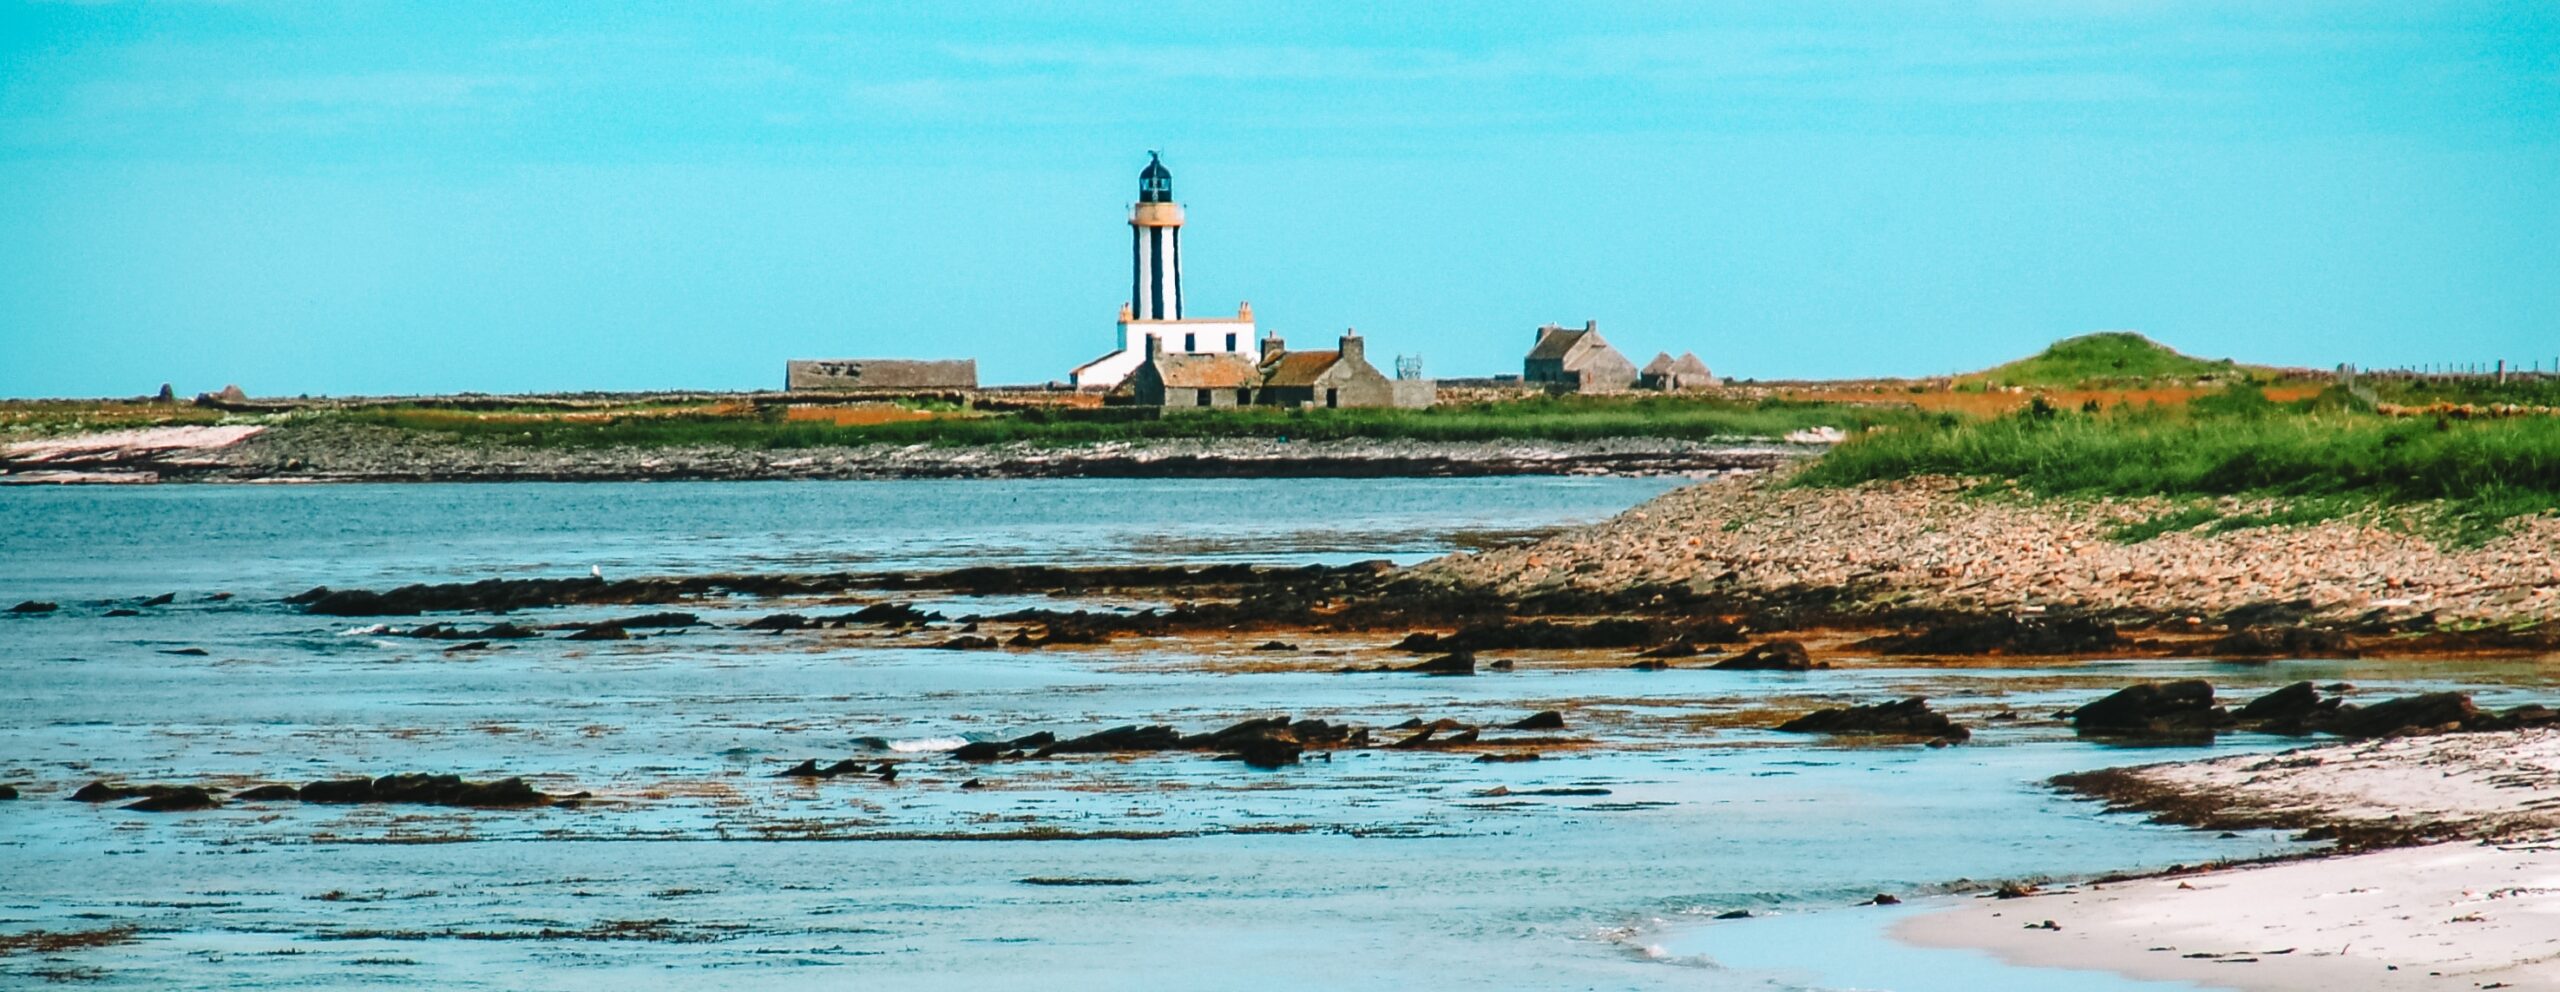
{"x":1577,"y":361}
{"x":879,"y":374}
{"x":1669,"y":374}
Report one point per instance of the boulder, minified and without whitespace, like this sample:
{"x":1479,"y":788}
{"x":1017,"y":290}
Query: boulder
{"x":1275,"y":646}
{"x":805,"y":769}
{"x":35,"y":606}
{"x":658,"y":620}
{"x":182,"y":799}
{"x":600,"y":632}
{"x":268,"y":794}
{"x":1155,"y":737}
{"x":2183,"y":708}
{"x":894,"y":615}
{"x":2427,"y":713}
{"x":969,"y":642}
{"x":352,"y":790}
{"x":1267,"y":750}
{"x":8,"y":792}
{"x":1541,"y":720}
{"x":2296,"y":709}
{"x":104,"y":791}
{"x":1908,"y":717}
{"x":1453,"y":663}
{"x":977,"y":751}
{"x":778,"y":622}
{"x":1775,"y":656}
{"x":163,"y":599}
{"x":506,"y":793}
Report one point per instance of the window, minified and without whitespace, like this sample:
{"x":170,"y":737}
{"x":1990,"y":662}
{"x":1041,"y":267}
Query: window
{"x":1191,"y":342}
{"x":1244,"y":397}
{"x":1231,"y":342}
{"x":1204,"y":397}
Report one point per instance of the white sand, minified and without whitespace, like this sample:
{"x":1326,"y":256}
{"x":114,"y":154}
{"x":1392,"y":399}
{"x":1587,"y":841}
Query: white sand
{"x":2447,"y":916}
{"x":2456,"y":915}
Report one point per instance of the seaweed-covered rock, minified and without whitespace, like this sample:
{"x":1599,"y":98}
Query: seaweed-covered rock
{"x":2296,"y":709}
{"x":2426,"y":713}
{"x":2282,"y":642}
{"x":2033,"y":635}
{"x":893,"y":615}
{"x":1775,"y":656}
{"x":181,"y":799}
{"x":1453,"y":663}
{"x":1907,"y":717}
{"x":1155,"y":737}
{"x":2183,"y":708}
{"x":350,"y":790}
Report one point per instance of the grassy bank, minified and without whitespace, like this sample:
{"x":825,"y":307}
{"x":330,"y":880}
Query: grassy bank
{"x":1546,"y":419}
{"x":2319,"y":459}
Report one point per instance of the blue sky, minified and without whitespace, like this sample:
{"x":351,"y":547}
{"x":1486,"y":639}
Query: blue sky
{"x":370,"y":198}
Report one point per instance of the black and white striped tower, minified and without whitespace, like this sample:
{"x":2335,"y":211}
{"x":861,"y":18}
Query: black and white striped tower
{"x":1155,"y":229}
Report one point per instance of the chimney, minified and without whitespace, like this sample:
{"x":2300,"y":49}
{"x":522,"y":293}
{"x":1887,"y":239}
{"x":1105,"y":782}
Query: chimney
{"x":1155,"y":345}
{"x":1353,"y":349}
{"x":1589,"y":326}
{"x":1272,"y":345}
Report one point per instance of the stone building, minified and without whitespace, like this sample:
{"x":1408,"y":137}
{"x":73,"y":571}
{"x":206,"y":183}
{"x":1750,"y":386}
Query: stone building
{"x":1329,"y":379}
{"x":1337,"y":379}
{"x":1154,"y":312}
{"x":1577,"y":361}
{"x":1670,"y":374}
{"x":878,"y":374}
{"x":1183,"y":380}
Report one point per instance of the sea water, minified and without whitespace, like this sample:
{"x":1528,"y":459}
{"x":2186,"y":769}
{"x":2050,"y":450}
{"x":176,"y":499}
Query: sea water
{"x":695,"y":868}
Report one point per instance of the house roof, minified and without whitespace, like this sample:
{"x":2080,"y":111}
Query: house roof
{"x":1298,"y":368}
{"x":1211,"y":371}
{"x":1554,"y":342}
{"x":1687,"y":365}
{"x":1660,"y":364}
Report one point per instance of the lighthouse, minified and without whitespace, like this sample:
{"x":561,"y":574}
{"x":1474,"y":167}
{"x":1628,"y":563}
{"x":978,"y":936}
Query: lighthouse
{"x":1155,"y":246}
{"x":1154,"y":310}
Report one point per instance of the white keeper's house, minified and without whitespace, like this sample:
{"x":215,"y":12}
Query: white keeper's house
{"x":1155,"y":309}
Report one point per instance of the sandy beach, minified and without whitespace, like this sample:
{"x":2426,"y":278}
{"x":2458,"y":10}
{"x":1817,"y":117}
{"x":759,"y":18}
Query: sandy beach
{"x":2478,"y":912}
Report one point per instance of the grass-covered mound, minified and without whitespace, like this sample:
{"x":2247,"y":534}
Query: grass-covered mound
{"x":2105,"y":358}
{"x":2324,"y":461}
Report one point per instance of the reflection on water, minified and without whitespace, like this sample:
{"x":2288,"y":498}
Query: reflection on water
{"x":697,"y":869}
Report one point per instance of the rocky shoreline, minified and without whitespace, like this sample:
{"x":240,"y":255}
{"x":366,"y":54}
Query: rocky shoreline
{"x":324,"y":452}
{"x":1937,"y":544}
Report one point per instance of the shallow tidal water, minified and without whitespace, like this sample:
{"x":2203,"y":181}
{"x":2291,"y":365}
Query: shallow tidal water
{"x":1598,"y":867}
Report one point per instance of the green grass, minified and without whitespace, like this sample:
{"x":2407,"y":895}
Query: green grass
{"x":1551,"y":419}
{"x":2112,"y":358}
{"x":2473,"y":476}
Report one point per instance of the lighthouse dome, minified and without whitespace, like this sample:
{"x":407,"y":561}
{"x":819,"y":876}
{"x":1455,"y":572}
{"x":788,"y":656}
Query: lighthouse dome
{"x":1155,"y":182}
